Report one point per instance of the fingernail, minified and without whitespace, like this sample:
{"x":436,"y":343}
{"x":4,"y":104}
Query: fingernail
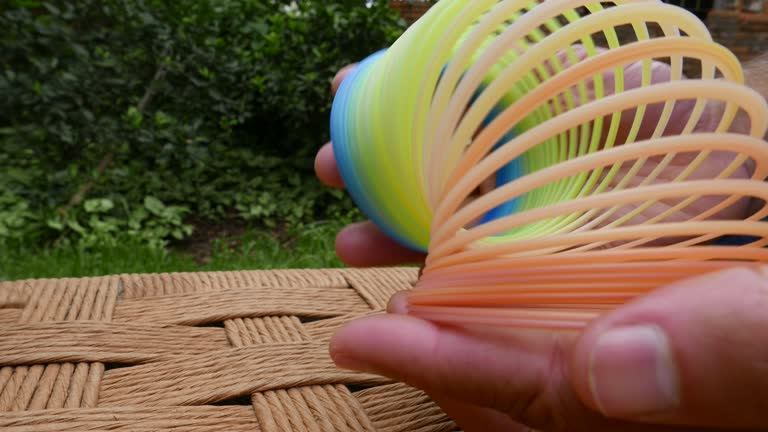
{"x":353,"y":364}
{"x":398,"y":303}
{"x":632,"y":372}
{"x":343,"y":360}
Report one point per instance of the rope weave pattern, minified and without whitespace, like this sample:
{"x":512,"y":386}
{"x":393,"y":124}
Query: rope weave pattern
{"x":202,"y":352}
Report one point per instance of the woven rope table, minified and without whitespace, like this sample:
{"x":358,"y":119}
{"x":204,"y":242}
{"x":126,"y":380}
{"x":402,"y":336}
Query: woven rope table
{"x":230,"y":351}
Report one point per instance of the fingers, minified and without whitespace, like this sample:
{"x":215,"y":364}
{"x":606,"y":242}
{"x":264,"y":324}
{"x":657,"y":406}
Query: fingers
{"x":481,"y":380}
{"x":458,"y":366}
{"x":364,"y":245}
{"x":359,"y":245}
{"x":325,"y":162}
{"x":337,"y":80}
{"x":326,"y":169}
{"x":473,"y":418}
{"x":695,"y":353}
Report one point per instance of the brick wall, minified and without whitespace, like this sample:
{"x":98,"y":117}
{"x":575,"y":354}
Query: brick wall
{"x":746,"y":34}
{"x":743,"y":33}
{"x":411,"y":11}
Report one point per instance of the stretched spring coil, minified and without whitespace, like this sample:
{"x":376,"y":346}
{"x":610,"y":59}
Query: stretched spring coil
{"x":612,"y":172}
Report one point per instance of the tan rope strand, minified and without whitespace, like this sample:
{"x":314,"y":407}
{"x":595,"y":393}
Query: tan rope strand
{"x":54,"y":391}
{"x":87,"y":341}
{"x":393,"y":408}
{"x":8,"y":396}
{"x":225,"y":374}
{"x":14,"y":294}
{"x":9,"y":316}
{"x":60,"y":389}
{"x":92,"y":385}
{"x":343,"y":401}
{"x":131,"y":419}
{"x":292,"y":407}
{"x":27,"y":388}
{"x":19,"y":390}
{"x":281,"y":416}
{"x":52,"y":361}
{"x":138,"y":286}
{"x":297,"y":408}
{"x":89,"y":375}
{"x":57,"y":301}
{"x":318,"y":406}
{"x":321,"y":331}
{"x":235,"y":332}
{"x":39,"y":299}
{"x":77,"y":385}
{"x":376,"y":286}
{"x":5,"y":376}
{"x":201,"y":308}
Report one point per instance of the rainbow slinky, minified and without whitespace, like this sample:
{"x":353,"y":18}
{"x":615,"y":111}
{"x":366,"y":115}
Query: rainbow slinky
{"x":560,"y":104}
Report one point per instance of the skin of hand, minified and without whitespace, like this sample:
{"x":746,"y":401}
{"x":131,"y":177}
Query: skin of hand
{"x":689,"y":356}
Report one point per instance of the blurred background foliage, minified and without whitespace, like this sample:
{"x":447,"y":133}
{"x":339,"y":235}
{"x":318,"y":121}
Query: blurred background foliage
{"x":149,"y":118}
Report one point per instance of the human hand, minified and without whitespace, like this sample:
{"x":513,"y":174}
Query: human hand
{"x":685,"y":357}
{"x":363,"y":244}
{"x":689,"y":356}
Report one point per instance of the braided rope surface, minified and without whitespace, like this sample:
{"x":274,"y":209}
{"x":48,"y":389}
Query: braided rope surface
{"x":226,"y":351}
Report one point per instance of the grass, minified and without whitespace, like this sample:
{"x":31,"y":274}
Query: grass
{"x":311,"y":246}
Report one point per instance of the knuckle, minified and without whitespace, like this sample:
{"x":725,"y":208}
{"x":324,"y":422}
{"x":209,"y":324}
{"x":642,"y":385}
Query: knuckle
{"x":550,"y":408}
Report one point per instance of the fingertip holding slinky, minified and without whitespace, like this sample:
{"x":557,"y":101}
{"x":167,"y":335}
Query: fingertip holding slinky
{"x":608,"y":184}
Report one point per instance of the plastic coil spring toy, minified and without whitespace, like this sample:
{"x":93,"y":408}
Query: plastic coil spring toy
{"x":613,"y":173}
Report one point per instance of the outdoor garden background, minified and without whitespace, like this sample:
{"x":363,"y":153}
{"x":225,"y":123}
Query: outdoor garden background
{"x":148,"y":135}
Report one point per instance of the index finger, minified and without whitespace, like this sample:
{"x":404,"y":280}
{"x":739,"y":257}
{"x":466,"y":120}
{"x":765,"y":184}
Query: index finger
{"x":340,"y":75}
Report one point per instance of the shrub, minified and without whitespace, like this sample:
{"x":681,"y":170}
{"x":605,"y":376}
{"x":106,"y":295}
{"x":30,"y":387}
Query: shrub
{"x":131,"y":115}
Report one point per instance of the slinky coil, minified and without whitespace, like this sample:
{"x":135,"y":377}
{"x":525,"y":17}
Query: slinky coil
{"x":599,"y":191}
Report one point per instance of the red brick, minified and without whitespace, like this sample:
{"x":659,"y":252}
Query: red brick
{"x":409,"y":11}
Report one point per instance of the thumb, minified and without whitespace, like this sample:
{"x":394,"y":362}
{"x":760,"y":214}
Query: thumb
{"x":694,"y":353}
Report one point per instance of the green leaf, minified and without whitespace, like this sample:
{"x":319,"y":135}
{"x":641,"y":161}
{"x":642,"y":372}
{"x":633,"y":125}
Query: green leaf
{"x":162,"y":119}
{"x":80,"y":50}
{"x":102,"y":226}
{"x":27,"y":3}
{"x":98,"y":205}
{"x":51,"y":8}
{"x":154,"y":205}
{"x":75,"y":226}
{"x":55,"y":224}
{"x":133,"y":117}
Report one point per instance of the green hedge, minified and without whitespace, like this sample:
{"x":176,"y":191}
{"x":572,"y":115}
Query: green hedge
{"x":130,"y":116}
